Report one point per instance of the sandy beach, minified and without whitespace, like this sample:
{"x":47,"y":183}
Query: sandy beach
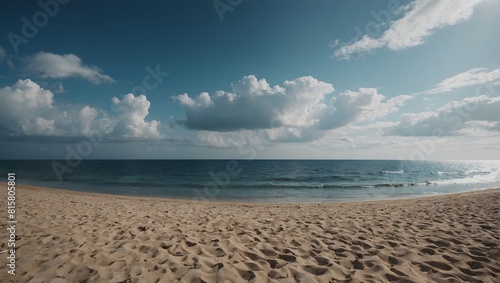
{"x":65,"y":236}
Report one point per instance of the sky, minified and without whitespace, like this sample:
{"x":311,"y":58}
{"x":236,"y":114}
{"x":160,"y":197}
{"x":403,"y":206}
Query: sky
{"x":250,"y":79}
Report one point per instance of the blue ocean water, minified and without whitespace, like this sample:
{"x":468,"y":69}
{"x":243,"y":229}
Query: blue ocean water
{"x":262,"y":180}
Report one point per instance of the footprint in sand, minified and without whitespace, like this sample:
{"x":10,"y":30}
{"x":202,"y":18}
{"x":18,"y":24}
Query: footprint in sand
{"x":475,"y":265}
{"x":252,"y":266}
{"x":321,"y":260}
{"x":246,"y":274}
{"x":427,"y":251}
{"x":439,"y":265}
{"x":275,"y":274}
{"x":273,"y":263}
{"x":289,"y":258}
{"x":315,"y":270}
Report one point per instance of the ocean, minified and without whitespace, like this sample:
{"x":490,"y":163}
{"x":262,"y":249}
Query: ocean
{"x":260,"y":180}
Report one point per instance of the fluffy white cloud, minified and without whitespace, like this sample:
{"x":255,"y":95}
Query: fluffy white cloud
{"x":27,"y":95}
{"x":203,"y":99}
{"x":24,"y":102}
{"x":366,"y":104}
{"x":423,"y":17}
{"x":303,"y":103}
{"x":254,"y":104}
{"x":452,"y":117}
{"x":300,"y":103}
{"x":32,"y":112}
{"x":49,"y":65}
{"x":87,"y":116}
{"x":255,"y":113}
{"x":251,"y":86}
{"x":471,"y":77}
{"x":133,"y":110}
{"x":40,"y":127}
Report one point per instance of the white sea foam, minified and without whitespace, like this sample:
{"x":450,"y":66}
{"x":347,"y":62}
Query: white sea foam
{"x":486,"y":177}
{"x":445,"y":172}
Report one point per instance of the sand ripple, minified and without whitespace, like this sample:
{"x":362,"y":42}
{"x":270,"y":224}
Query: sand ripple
{"x":73,"y":237}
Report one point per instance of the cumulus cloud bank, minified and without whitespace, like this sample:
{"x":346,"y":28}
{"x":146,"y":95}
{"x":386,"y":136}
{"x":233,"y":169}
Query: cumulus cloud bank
{"x":50,"y":65}
{"x":32,"y":112}
{"x":299,"y":103}
{"x":24,"y":102}
{"x":422,"y":19}
{"x":298,"y":110}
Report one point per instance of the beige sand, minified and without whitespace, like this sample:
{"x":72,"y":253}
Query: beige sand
{"x":76,"y":237}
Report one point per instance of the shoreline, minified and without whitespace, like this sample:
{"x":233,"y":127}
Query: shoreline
{"x":73,"y":236}
{"x":236,"y":201}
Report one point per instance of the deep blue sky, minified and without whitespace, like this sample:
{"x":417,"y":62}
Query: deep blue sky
{"x":275,"y":41}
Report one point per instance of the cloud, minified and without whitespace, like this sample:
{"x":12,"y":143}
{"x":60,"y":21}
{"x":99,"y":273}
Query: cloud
{"x":364,"y":45}
{"x":133,"y":111}
{"x":33,"y":112}
{"x":255,"y":112}
{"x":451,"y":118}
{"x":299,"y":103}
{"x":254,"y":104}
{"x":3,"y":54}
{"x":366,"y":104}
{"x":422,"y":19}
{"x":87,"y":116}
{"x":23,"y":102}
{"x":58,"y":88}
{"x":49,"y":65}
{"x":234,"y":139}
{"x":40,"y":127}
{"x":472,"y":77}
